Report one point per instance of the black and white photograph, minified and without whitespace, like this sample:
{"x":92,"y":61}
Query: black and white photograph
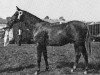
{"x":49,"y":37}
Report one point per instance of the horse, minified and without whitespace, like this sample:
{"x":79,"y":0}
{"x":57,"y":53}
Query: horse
{"x":45,"y":34}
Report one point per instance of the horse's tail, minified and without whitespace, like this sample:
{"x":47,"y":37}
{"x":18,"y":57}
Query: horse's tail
{"x":88,"y":40}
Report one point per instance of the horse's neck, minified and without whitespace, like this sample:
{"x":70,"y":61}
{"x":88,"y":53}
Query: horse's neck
{"x":33,"y":19}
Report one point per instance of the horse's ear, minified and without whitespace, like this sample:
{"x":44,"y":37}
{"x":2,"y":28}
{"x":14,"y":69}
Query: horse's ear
{"x":18,"y":9}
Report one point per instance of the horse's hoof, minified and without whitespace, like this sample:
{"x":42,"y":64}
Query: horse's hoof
{"x":74,"y":67}
{"x":85,"y":72}
{"x":37,"y":72}
{"x":72,"y":70}
{"x":46,"y":69}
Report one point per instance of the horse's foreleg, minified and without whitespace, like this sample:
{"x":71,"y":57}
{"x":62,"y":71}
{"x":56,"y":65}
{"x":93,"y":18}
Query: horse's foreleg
{"x":19,"y":40}
{"x":45,"y":58}
{"x":78,"y":55}
{"x":19,"y":37}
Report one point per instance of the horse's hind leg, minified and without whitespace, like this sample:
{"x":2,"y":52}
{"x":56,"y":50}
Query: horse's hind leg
{"x":39,"y":54}
{"x":78,"y":55}
{"x":45,"y":57}
{"x":85,"y":55}
{"x":80,"y":48}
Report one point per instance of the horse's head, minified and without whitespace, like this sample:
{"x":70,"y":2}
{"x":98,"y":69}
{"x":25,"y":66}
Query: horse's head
{"x":17,"y":17}
{"x":25,"y":17}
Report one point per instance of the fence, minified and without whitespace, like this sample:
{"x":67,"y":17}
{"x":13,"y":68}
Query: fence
{"x":94,"y":29}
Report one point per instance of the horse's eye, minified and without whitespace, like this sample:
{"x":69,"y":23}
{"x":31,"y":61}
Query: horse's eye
{"x":20,"y":13}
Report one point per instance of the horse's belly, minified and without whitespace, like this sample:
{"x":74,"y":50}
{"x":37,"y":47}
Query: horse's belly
{"x":58,"y":41}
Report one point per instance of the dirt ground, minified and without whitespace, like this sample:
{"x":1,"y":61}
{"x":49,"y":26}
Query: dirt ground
{"x":21,"y":60}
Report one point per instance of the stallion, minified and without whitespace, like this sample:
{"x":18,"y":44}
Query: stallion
{"x":45,"y":34}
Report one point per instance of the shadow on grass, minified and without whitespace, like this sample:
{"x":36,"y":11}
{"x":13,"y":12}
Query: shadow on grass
{"x":92,"y":67}
{"x":20,"y":68}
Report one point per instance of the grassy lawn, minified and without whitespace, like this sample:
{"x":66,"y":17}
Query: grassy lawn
{"x":21,"y":60}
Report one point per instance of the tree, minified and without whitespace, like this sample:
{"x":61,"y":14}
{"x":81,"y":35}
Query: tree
{"x":47,"y":17}
{"x":61,"y":18}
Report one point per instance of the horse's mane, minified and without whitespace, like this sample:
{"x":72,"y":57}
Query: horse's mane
{"x":33,"y":16}
{"x":74,"y":21}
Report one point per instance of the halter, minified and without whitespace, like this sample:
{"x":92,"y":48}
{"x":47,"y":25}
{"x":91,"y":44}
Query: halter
{"x":19,"y":14}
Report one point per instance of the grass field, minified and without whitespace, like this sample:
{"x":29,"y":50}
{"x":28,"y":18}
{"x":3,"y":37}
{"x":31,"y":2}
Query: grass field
{"x":21,"y":60}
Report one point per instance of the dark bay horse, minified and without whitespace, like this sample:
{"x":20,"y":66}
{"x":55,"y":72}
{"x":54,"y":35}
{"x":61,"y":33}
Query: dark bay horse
{"x":45,"y":34}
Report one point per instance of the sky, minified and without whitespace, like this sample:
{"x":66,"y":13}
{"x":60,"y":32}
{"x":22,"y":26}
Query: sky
{"x":85,"y":10}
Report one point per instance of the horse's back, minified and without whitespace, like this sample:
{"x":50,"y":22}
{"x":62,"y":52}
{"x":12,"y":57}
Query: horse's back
{"x":62,"y":34}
